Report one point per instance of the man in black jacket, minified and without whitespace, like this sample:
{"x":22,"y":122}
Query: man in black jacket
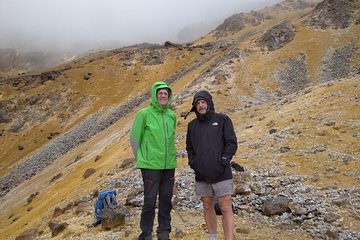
{"x":210,"y":144}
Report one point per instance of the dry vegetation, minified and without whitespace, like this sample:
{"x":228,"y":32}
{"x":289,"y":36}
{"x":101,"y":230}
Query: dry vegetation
{"x":318,"y":125}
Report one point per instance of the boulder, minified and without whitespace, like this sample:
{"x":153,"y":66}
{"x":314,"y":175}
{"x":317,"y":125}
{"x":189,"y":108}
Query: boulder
{"x":113,"y":216}
{"x":28,"y":234}
{"x":58,"y":211}
{"x":242,"y":181}
{"x":88,"y":172}
{"x":276,"y":206}
{"x":81,"y":208}
{"x":56,"y":227}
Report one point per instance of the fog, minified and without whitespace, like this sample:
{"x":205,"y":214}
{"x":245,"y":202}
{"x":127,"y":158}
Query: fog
{"x":86,"y":24}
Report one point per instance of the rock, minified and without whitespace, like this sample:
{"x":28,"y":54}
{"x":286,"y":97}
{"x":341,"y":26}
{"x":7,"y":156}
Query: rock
{"x":238,"y":22}
{"x":95,"y":193}
{"x":276,"y":206}
{"x":78,"y":157}
{"x":86,"y":76}
{"x":69,"y":206}
{"x":294,"y":77}
{"x":54,"y":133}
{"x":242,"y":181}
{"x":184,"y":114}
{"x":127,"y":162}
{"x":4,"y":116}
{"x":333,"y":14}
{"x":81,"y":208}
{"x":341,"y":202}
{"x":171,"y":44}
{"x":331,"y":234}
{"x":331,"y":217}
{"x":330,"y":123}
{"x":284,"y":149}
{"x":28,"y":234}
{"x":32,"y":196}
{"x":297,"y":209}
{"x":34,"y":99}
{"x":179,"y":233}
{"x":132,"y":198}
{"x":336,"y":64}
{"x":273,"y":130}
{"x":67,"y":67}
{"x":112,"y":217}
{"x":88,"y":172}
{"x":97,"y":158}
{"x":83,"y":199}
{"x":56,"y":177}
{"x":154,"y":57}
{"x":52,"y":75}
{"x":242,"y":230}
{"x":277,"y":36}
{"x":58,"y":211}
{"x":56,"y":227}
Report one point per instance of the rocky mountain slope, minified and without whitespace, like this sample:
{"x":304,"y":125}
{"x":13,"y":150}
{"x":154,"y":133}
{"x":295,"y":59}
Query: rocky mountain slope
{"x":287,"y":75}
{"x":15,"y":61}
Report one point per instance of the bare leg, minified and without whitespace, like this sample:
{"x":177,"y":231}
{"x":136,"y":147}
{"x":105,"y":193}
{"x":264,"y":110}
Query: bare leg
{"x":209,"y":214}
{"x":225,"y":203}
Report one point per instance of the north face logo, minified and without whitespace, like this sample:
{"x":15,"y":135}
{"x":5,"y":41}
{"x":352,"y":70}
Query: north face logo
{"x":214,"y":124}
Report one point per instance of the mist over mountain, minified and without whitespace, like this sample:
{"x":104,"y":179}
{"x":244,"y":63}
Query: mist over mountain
{"x":83,"y":25}
{"x":196,"y":30}
{"x":51,"y":33}
{"x":287,"y":75}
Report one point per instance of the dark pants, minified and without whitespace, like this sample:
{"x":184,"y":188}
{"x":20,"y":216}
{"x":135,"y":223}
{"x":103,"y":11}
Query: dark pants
{"x":157,"y":182}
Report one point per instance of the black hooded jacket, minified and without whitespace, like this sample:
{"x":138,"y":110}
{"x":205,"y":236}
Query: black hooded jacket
{"x":210,"y":143}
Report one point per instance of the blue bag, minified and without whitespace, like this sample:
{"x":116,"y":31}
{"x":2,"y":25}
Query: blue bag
{"x":106,"y":198}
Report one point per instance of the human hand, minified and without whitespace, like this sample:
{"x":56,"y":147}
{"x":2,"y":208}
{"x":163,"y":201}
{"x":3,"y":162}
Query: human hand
{"x":224,"y":161}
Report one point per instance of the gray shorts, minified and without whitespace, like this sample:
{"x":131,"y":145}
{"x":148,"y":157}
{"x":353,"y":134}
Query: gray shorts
{"x":223,"y":188}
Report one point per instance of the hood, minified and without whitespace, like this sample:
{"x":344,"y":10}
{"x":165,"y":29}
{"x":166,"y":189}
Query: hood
{"x":154,"y":88}
{"x":204,"y":95}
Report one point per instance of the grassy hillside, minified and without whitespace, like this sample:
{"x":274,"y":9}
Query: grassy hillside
{"x":290,"y":87}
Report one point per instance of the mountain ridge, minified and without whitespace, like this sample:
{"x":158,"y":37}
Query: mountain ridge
{"x":288,"y":90}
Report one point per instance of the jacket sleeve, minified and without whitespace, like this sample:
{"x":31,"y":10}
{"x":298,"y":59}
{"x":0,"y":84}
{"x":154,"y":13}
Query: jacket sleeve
{"x":137,"y":132}
{"x":230,"y":141}
{"x":189,"y":148}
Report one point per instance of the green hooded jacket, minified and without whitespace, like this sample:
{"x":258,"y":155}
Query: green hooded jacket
{"x":152,"y":134}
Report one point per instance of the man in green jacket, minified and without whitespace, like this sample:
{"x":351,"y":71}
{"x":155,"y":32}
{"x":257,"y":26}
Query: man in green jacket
{"x":152,"y":140}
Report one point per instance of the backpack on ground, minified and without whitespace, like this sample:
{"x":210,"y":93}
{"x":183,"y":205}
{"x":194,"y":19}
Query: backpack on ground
{"x":105,"y":199}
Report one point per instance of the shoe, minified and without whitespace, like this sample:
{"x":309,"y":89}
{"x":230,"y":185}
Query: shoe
{"x":97,"y":222}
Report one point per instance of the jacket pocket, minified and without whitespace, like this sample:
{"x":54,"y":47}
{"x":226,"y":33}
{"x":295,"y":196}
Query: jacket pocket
{"x":198,"y":168}
{"x":215,"y":168}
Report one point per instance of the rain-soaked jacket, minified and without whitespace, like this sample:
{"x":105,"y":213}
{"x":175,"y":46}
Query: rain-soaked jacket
{"x":210,"y":143}
{"x":152,"y":134}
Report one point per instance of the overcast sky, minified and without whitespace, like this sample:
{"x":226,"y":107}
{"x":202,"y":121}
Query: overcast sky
{"x":59,"y":24}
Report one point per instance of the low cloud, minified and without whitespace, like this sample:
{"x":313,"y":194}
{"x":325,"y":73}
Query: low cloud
{"x":86,"y":24}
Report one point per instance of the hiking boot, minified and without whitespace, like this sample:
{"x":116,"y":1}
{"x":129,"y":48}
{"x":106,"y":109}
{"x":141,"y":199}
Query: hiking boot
{"x":97,"y":222}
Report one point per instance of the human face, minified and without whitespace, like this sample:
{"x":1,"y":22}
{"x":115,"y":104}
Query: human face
{"x":162,"y":96}
{"x":201,"y":106}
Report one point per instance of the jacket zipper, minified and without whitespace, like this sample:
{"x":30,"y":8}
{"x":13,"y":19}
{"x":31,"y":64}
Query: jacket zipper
{"x":165,"y":135}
